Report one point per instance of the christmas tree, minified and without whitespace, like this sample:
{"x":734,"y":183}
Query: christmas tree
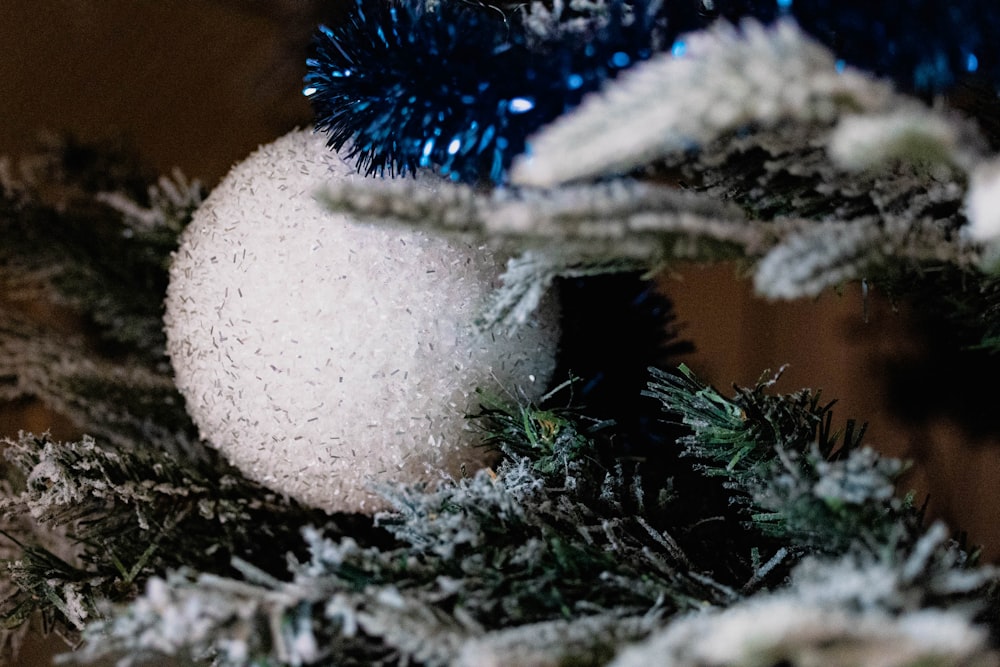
{"x":401,"y":388}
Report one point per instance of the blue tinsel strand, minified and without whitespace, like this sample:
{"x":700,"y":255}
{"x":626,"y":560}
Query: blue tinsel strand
{"x":924,"y":46}
{"x":460,"y":88}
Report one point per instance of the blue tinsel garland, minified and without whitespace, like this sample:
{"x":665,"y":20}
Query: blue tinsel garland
{"x":925,"y":46}
{"x":460,"y":88}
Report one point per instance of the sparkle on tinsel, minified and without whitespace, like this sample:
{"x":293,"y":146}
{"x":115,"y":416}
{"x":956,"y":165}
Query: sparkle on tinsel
{"x":460,"y":87}
{"x":925,"y":46}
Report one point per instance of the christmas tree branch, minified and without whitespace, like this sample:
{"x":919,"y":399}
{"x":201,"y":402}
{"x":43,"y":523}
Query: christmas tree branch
{"x":799,"y":482}
{"x":84,"y":229}
{"x":814,"y":174}
{"x":563,"y":552}
{"x":123,"y":401}
{"x":128,"y":515}
{"x":876,"y":225}
{"x":747,"y":76}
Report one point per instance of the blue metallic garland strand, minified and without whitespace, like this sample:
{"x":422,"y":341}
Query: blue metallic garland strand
{"x":460,"y":89}
{"x":924,"y":46}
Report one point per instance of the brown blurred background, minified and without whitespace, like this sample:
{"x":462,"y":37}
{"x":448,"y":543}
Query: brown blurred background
{"x":198,"y":84}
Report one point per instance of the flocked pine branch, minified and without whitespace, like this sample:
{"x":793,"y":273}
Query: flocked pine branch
{"x":889,"y":607}
{"x":124,"y":402}
{"x":797,"y":479}
{"x":835,"y":613}
{"x":819,"y":491}
{"x":128,"y":515}
{"x":323,"y":618}
{"x":619,"y":219}
{"x":714,"y":82}
{"x":887,"y":224}
{"x":588,"y":640}
{"x":726,"y":80}
{"x":85,"y":231}
{"x":885,"y":249}
{"x":835,"y":177}
{"x":83,"y":282}
{"x":567,"y":551}
{"x":171,"y":200}
{"x":774,"y":197}
{"x":813,"y":141}
{"x":612,"y":227}
{"x":542,"y":539}
{"x":893,"y":222}
{"x":784,"y":630}
{"x":544,"y":21}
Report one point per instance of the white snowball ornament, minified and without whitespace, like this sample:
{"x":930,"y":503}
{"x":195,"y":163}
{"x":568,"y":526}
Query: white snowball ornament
{"x":321,"y":356}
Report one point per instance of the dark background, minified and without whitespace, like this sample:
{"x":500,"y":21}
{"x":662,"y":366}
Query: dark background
{"x":198,"y":84}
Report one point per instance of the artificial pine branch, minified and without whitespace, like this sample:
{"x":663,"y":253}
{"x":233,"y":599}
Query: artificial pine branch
{"x":128,"y":515}
{"x":813,"y":174}
{"x":800,"y":625}
{"x":751,"y":76}
{"x":795,"y":478}
{"x":591,"y":229}
{"x":565,"y":541}
{"x":821,"y":493}
{"x":475,"y":556}
{"x":121,"y":400}
{"x":888,"y":227}
{"x":86,"y":227}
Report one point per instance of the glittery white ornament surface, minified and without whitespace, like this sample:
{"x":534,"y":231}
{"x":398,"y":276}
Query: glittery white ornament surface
{"x":982,"y":203}
{"x":320,"y":355}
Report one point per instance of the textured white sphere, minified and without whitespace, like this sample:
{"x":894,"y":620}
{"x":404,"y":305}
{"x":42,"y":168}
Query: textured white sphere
{"x":320,"y":355}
